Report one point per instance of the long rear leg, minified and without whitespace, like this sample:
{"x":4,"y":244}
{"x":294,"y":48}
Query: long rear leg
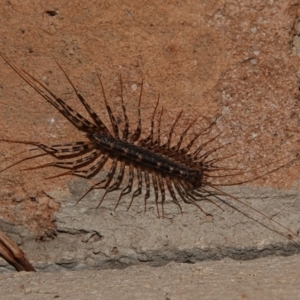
{"x":75,"y":118}
{"x":57,"y":151}
{"x":222,"y":193}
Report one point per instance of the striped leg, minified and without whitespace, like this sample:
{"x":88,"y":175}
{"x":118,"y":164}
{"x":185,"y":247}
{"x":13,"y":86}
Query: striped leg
{"x":157,"y":141}
{"x":177,"y":147}
{"x":204,"y":195}
{"x":147,"y":182}
{"x":118,"y":181}
{"x":71,"y":164}
{"x":155,"y":186}
{"x":167,"y":145}
{"x":173,"y":195}
{"x":188,"y":198}
{"x":128,"y":188}
{"x":57,"y":151}
{"x":107,"y":180}
{"x":162,"y":191}
{"x":136,"y":135}
{"x":101,"y":126}
{"x":125,"y":132}
{"x":86,"y":173}
{"x":186,"y":149}
{"x":75,"y":118}
{"x":109,"y":111}
{"x":138,"y":191}
{"x":150,"y":139}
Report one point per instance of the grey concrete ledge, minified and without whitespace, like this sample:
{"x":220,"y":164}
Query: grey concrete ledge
{"x":89,"y":238}
{"x":264,"y":278}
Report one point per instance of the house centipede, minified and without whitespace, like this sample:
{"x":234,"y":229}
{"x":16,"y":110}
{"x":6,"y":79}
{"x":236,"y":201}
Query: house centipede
{"x":184,"y":173}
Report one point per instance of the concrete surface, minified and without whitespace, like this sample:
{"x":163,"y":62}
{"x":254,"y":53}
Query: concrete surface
{"x":264,"y":278}
{"x":103,"y":238}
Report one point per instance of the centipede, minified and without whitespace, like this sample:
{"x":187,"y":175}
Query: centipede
{"x":140,"y":165}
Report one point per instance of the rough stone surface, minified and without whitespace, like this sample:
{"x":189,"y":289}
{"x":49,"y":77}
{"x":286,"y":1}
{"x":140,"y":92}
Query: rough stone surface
{"x":236,"y":62}
{"x":264,"y":278}
{"x":103,"y":238}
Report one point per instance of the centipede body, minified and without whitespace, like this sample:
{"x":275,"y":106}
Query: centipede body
{"x":184,"y":170}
